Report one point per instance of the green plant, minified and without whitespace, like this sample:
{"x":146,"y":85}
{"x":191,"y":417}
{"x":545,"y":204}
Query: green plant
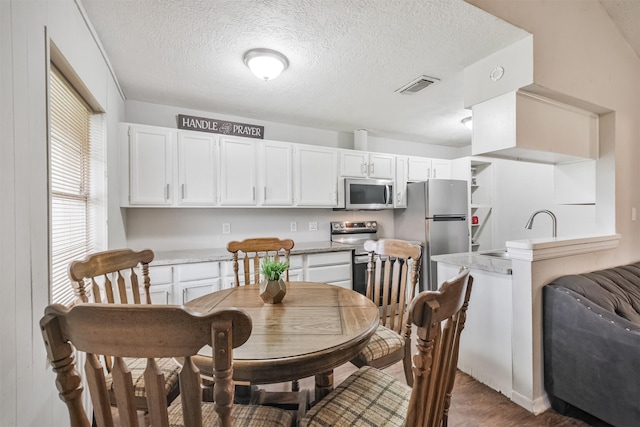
{"x":272,"y":269}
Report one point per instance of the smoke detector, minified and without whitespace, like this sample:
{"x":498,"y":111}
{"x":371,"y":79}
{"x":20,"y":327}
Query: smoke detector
{"x":417,"y":85}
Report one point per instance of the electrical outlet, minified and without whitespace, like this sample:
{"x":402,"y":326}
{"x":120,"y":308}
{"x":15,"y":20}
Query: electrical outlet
{"x":313,"y":226}
{"x":226,"y":228}
{"x":294,"y":226}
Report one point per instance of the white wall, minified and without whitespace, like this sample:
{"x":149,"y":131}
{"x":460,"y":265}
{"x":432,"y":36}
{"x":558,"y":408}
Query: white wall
{"x":521,"y":188}
{"x":579,"y":53}
{"x":28,"y":396}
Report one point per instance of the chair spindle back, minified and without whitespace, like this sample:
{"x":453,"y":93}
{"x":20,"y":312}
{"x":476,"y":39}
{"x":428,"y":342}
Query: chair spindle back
{"x":251,"y":251}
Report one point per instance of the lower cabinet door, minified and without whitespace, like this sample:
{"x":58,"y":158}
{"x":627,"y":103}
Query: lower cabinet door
{"x":193,"y":290}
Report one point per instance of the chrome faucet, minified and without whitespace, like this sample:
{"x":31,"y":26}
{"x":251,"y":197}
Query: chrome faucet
{"x":553,"y":219}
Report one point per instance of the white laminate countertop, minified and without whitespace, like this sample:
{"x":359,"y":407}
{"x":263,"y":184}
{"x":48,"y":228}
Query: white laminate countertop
{"x":476,"y":260}
{"x":187,"y":256}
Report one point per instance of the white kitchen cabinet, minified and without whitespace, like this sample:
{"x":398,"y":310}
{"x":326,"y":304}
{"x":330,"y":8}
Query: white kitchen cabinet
{"x":161,"y":285}
{"x":424,"y":168}
{"x":315,"y":176}
{"x":418,"y":169}
{"x":400,"y":199}
{"x":197,"y":169}
{"x":329,"y":267}
{"x":440,"y":169}
{"x":362,"y":164}
{"x":486,"y":343}
{"x":275,"y":165}
{"x":238,"y":172}
{"x":195,"y":280}
{"x":150,"y":165}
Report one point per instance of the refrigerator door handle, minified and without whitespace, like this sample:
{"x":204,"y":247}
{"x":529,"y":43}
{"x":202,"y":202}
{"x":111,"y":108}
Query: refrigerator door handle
{"x":449,"y":218}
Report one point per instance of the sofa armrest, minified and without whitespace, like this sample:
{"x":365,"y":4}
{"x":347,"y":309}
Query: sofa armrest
{"x":591,"y":357}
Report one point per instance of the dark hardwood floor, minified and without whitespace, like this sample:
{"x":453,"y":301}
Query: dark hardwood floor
{"x":473,"y":404}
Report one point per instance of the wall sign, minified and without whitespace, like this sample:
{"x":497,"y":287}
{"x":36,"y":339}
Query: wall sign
{"x":202,"y":124}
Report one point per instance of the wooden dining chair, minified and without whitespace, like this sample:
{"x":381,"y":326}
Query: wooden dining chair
{"x":150,"y":332}
{"x":121,"y":276}
{"x":371,"y":397}
{"x":392,"y":277}
{"x":249,"y":252}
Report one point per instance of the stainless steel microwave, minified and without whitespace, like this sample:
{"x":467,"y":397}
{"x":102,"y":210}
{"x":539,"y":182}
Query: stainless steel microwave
{"x":368,"y":194}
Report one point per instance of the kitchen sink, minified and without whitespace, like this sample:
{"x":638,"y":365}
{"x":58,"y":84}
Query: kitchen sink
{"x":497,"y":254}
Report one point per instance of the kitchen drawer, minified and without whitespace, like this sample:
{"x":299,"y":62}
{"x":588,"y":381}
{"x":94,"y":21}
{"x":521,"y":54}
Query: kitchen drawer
{"x":197,"y":271}
{"x":295,"y":262}
{"x":329,"y":274}
{"x":328,"y":258}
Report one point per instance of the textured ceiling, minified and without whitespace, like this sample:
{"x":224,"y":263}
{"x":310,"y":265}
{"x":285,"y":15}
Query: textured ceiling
{"x":347,"y":57}
{"x":626,"y":16}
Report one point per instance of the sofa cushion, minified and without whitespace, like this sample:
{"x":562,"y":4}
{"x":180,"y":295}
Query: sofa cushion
{"x":615,"y":289}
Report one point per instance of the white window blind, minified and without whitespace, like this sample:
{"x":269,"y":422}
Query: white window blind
{"x":72,"y":222}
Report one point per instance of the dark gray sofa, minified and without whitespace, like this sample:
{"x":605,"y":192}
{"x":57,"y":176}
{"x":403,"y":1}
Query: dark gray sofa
{"x":591,"y":327}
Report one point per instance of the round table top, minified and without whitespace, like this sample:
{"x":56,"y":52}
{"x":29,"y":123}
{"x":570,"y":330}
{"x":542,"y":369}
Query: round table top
{"x":316,"y":328}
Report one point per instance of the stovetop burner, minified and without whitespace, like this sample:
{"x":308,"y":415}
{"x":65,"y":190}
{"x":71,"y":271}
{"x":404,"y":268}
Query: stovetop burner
{"x":355,"y":233}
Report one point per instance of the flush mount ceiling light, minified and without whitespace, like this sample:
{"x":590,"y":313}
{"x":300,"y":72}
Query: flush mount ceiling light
{"x":468,"y":122}
{"x":266,"y":64}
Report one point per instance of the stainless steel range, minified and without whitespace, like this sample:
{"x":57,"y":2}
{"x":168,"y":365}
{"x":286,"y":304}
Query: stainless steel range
{"x":356,"y":233}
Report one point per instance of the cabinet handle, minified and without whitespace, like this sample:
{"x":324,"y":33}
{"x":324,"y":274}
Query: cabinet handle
{"x":184,"y":296}
{"x":363,"y":168}
{"x":264,"y":196}
{"x":254,"y":194}
{"x":371,"y":168}
{"x":166,"y":192}
{"x":182,"y":190}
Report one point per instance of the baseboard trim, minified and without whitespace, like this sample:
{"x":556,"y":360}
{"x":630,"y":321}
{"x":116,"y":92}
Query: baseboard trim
{"x":537,"y":406}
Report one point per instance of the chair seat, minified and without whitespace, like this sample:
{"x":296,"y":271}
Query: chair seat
{"x":383,"y":342}
{"x":368,"y":397}
{"x":168,"y":366}
{"x":241,"y":415}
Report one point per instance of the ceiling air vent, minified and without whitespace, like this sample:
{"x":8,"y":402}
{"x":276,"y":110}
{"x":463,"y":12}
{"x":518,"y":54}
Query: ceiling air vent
{"x":417,"y":85}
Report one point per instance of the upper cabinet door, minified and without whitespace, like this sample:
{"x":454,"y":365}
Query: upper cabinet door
{"x":197,"y":171}
{"x":400,"y":199}
{"x":440,"y":169}
{"x":419,"y":169}
{"x":276,"y":173}
{"x":354,"y":164}
{"x":237,"y":171}
{"x":316,"y":176}
{"x":150,"y":165}
{"x":361,"y":164}
{"x":381,"y":166}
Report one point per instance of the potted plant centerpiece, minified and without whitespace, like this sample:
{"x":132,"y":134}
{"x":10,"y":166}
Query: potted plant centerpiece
{"x":272,"y":287}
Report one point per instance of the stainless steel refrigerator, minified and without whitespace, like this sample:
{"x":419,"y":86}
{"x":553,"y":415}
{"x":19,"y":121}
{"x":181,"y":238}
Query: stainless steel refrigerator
{"x":436,"y":215}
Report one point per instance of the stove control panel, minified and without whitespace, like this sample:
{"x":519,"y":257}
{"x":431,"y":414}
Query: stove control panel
{"x":348,"y":227}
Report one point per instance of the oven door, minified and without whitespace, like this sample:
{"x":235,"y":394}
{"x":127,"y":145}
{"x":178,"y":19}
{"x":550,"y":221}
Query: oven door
{"x":360,"y":273}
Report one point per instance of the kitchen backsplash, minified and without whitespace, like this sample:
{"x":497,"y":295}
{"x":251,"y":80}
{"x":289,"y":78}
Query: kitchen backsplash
{"x":175,"y":229}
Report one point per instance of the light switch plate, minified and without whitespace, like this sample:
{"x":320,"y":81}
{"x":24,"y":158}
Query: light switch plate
{"x":313,"y":226}
{"x":226,"y":228}
{"x":294,"y":226}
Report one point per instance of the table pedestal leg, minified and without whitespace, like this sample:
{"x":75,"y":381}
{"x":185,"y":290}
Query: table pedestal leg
{"x":324,"y":384}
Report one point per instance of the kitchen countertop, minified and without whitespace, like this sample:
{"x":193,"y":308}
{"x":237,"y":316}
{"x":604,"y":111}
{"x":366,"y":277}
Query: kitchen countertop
{"x":186,"y":256}
{"x":477,"y":260}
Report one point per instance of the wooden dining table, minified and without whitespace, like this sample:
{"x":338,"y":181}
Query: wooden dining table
{"x":316,"y":328}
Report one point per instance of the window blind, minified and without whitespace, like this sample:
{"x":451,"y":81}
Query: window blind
{"x":72,"y":224}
